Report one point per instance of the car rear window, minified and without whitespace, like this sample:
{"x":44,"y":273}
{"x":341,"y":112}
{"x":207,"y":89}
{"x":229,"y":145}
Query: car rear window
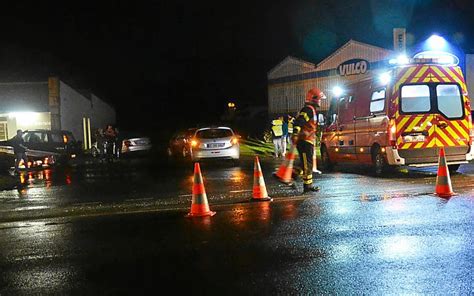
{"x":214,"y":133}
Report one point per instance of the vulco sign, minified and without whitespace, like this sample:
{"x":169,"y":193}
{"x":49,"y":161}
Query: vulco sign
{"x":353,"y":67}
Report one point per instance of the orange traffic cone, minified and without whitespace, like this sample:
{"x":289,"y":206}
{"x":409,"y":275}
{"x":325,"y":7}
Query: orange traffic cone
{"x":259,"y":190}
{"x":443,"y":181}
{"x":199,"y":205}
{"x":285,"y":171}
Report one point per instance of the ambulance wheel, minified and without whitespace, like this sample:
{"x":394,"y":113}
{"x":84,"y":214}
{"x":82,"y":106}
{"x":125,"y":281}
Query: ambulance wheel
{"x":326,"y":163}
{"x":453,"y":168}
{"x":378,"y":161}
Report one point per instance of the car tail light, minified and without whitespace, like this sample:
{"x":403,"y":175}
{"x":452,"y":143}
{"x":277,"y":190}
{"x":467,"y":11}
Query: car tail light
{"x":46,"y":160}
{"x":234,"y":141}
{"x":392,"y":133}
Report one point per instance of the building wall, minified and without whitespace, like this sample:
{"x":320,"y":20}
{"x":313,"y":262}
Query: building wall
{"x":286,"y":94}
{"x":101,"y":114}
{"x":73,"y":108}
{"x":470,"y":76}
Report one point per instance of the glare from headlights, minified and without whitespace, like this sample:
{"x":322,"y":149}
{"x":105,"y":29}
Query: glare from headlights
{"x":194,"y":143}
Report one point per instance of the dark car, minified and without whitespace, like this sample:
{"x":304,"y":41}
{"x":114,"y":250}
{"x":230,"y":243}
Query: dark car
{"x":180,"y":143}
{"x":47,"y":147}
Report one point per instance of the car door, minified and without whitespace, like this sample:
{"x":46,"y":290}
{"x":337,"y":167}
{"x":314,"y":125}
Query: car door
{"x":345,"y":130}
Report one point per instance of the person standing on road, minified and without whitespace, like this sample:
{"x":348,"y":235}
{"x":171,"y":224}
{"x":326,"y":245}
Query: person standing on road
{"x":291,"y":119}
{"x":277,"y":133}
{"x":284,"y":136}
{"x":304,"y":135}
{"x":111,"y":136}
{"x":19,"y":149}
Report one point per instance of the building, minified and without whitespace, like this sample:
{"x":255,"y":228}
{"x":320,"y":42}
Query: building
{"x":51,"y":104}
{"x":289,"y":81}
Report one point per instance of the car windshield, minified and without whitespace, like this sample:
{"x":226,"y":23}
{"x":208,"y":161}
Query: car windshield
{"x":214,"y":133}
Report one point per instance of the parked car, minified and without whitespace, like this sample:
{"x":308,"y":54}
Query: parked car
{"x":129,"y":143}
{"x":134,"y":143}
{"x":215,"y":143}
{"x":46,"y":147}
{"x":180,"y":143}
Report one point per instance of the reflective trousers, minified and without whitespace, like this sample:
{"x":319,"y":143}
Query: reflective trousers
{"x":306,"y":150}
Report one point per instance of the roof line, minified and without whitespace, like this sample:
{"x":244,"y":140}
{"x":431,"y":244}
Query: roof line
{"x":351,"y":41}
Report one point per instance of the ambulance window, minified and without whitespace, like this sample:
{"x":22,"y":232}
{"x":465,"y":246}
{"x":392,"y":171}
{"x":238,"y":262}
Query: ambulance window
{"x":332,"y":112}
{"x":415,"y":98}
{"x":377,"y":102}
{"x":449,"y":100}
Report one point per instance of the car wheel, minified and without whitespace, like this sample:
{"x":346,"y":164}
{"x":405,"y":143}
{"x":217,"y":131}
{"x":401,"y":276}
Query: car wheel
{"x":326,"y":163}
{"x":453,"y":168}
{"x":378,"y":162}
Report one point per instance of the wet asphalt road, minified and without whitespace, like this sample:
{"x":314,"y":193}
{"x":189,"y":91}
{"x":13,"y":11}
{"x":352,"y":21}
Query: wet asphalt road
{"x":359,"y":235}
{"x":317,"y":245}
{"x":138,"y":184}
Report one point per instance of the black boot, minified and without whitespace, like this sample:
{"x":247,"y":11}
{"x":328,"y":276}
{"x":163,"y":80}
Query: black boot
{"x":310,"y":188}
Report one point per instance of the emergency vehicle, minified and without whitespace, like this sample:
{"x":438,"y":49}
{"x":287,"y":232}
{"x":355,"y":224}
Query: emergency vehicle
{"x":401,"y":117}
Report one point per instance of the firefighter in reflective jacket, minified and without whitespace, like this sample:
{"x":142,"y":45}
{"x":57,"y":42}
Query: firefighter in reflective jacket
{"x":304,"y":135}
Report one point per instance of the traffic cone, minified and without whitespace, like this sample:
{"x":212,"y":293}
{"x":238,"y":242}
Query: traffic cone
{"x":285,"y":171}
{"x":259,"y":190}
{"x":199,"y":205}
{"x":443,"y":181}
{"x":315,"y":165}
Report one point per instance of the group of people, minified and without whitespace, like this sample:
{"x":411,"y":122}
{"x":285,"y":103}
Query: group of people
{"x":107,"y":136}
{"x":303,"y":135}
{"x":282,"y":129}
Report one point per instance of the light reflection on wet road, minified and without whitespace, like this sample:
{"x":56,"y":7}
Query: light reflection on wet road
{"x":134,"y":184}
{"x":336,"y":246}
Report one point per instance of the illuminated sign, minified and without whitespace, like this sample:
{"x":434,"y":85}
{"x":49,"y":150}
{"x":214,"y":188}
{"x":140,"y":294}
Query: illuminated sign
{"x":353,"y":67}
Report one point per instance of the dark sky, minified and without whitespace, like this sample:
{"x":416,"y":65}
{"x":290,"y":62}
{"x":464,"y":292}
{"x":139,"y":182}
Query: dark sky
{"x":173,"y":63}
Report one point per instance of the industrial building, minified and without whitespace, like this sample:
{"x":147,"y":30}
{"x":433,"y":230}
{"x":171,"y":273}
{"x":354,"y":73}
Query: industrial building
{"x":289,"y":81}
{"x":51,"y":104}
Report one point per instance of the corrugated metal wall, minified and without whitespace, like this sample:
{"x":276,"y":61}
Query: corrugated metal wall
{"x":470,"y":75}
{"x":287,"y":88}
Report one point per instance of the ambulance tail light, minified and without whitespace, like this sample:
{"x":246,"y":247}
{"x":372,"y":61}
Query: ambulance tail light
{"x":392,"y":133}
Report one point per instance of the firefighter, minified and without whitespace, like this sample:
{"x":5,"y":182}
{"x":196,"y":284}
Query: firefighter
{"x":304,"y":136}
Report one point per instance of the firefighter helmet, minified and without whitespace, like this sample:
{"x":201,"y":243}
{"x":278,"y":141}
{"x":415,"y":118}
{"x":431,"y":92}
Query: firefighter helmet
{"x":314,"y":96}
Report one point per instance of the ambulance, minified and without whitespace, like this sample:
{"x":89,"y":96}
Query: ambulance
{"x":401,"y":117}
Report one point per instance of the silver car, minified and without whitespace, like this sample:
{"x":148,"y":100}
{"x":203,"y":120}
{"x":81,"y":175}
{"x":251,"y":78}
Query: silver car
{"x":215,"y":143}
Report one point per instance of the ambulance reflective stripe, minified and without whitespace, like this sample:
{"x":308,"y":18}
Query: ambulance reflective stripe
{"x":454,"y":133}
{"x":402,"y":77}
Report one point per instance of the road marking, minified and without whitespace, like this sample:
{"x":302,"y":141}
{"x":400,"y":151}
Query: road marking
{"x":243,"y":190}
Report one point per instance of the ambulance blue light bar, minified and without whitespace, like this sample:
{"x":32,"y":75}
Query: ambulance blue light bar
{"x":427,"y":57}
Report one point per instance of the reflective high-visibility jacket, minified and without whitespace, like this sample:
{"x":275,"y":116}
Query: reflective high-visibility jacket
{"x":305,"y":124}
{"x":277,"y":128}
{"x":290,"y":125}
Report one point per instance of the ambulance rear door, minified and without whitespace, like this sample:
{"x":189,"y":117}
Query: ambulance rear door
{"x":433,"y":113}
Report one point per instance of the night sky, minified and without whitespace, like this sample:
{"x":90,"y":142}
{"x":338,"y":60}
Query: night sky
{"x":169,"y":64}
